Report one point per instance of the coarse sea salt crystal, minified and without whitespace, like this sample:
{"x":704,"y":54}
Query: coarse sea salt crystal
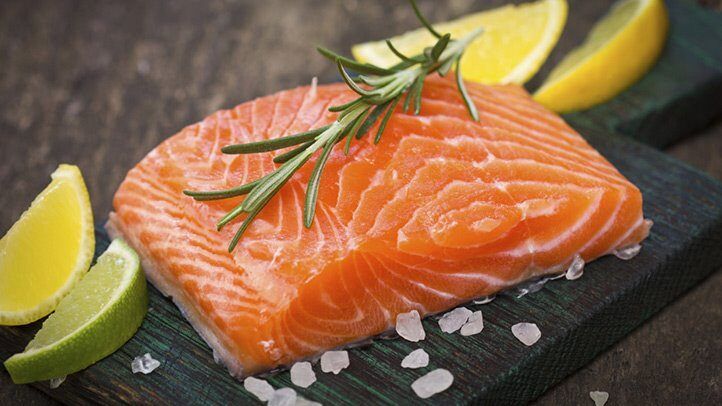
{"x":283,"y":397}
{"x":55,"y":382}
{"x":302,"y":374}
{"x":627,"y":253}
{"x":530,"y":287}
{"x":216,"y":358}
{"x":599,"y":397}
{"x":432,"y":383}
{"x":474,"y":325}
{"x":576,"y":268}
{"x":259,"y":388}
{"x":416,"y":359}
{"x":409,"y":326}
{"x":334,"y":361}
{"x":453,"y":320}
{"x":527,"y":333}
{"x":484,"y":300}
{"x":145,"y":364}
{"x":301,"y":401}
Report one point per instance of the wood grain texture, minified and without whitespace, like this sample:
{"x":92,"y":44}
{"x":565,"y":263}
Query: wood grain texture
{"x":101,"y":83}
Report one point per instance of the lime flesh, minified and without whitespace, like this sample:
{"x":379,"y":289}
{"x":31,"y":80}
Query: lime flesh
{"x":93,"y":321}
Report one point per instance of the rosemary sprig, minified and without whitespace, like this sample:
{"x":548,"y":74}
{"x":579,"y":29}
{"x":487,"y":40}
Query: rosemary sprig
{"x":379,"y":92}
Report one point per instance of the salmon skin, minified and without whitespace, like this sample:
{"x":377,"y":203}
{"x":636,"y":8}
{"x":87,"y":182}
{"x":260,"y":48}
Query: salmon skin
{"x":442,"y":211}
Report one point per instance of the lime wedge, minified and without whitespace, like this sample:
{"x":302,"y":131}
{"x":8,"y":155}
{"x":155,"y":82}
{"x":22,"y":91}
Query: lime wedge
{"x":95,"y":319}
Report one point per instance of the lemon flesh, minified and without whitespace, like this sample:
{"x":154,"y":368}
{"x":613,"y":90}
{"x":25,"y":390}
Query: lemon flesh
{"x":95,"y":319}
{"x":47,"y":250}
{"x":516,"y":41}
{"x":618,"y":51}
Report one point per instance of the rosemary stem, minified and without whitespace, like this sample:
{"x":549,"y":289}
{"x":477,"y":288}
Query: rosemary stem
{"x":379,"y":91}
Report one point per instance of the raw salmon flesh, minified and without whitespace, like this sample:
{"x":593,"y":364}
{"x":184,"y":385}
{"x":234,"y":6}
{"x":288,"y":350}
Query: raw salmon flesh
{"x":442,"y":211}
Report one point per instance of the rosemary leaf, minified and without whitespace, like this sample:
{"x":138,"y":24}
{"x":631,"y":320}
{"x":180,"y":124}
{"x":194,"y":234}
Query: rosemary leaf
{"x":351,"y":64}
{"x":242,"y":229}
{"x":274,"y":143}
{"x":416,"y":89}
{"x":270,"y":186}
{"x":385,"y":120}
{"x":351,"y":83}
{"x":347,"y":145}
{"x":407,"y":101}
{"x":412,"y":93}
{"x":223,"y":194}
{"x":352,"y":129}
{"x":279,"y":159}
{"x":376,"y":80}
{"x":464,"y":94}
{"x":413,"y":60}
{"x":439,"y":47}
{"x":238,"y":210}
{"x":406,"y":64}
{"x":345,"y":106}
{"x":371,"y":119}
{"x":309,"y":208}
{"x":423,"y":19}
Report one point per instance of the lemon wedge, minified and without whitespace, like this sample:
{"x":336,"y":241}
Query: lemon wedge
{"x":516,"y":41}
{"x":618,"y":51}
{"x":48,"y":250}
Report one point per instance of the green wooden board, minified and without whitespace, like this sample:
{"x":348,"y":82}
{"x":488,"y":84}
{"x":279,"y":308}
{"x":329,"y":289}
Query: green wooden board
{"x":681,"y":94}
{"x":578,"y":319}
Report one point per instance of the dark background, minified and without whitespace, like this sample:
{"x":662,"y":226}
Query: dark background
{"x":99,"y":84}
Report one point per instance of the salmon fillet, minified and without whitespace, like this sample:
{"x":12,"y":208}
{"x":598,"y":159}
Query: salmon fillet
{"x":442,"y":211}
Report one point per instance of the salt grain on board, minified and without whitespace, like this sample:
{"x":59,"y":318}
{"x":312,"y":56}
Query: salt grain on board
{"x":474,"y":325}
{"x":259,"y":388}
{"x":530,"y":287}
{"x":283,"y":397}
{"x":576,"y":269}
{"x":416,"y":359}
{"x":453,"y":320}
{"x":599,"y":398}
{"x":334,"y":361}
{"x":484,"y":300}
{"x":55,"y":382}
{"x":527,"y":333}
{"x":301,"y":401}
{"x":432,"y":383}
{"x":409,"y":326}
{"x":302,"y":374}
{"x":627,"y":253}
{"x":145,"y":364}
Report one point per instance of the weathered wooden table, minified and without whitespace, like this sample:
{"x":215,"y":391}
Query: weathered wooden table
{"x":100,"y":84}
